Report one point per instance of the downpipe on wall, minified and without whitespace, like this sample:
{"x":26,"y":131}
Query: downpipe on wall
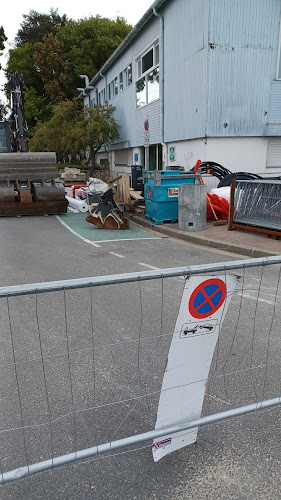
{"x":161,"y":53}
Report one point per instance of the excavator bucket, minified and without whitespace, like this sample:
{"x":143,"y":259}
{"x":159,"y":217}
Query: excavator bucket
{"x":28,"y":185}
{"x":107,"y":214}
{"x":28,"y":181}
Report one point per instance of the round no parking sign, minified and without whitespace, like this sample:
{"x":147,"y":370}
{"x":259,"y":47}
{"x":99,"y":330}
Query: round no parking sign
{"x":207,"y":298}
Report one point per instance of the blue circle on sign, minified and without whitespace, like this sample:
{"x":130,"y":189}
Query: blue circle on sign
{"x":207,"y":298}
{"x":200,"y":299}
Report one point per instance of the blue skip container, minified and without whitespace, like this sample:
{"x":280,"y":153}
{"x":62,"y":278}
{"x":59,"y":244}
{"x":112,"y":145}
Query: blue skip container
{"x":161,"y":193}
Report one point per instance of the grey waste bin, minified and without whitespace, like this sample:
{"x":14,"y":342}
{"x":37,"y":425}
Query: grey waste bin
{"x":192,"y":207}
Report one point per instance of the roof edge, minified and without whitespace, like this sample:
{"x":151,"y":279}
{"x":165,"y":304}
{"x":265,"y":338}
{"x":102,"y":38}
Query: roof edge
{"x":133,"y":33}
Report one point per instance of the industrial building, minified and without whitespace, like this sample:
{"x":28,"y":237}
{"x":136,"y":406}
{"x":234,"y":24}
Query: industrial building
{"x":196,"y":79}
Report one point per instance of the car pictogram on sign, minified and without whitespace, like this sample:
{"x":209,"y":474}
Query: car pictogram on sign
{"x":207,"y":298}
{"x":191,"y":330}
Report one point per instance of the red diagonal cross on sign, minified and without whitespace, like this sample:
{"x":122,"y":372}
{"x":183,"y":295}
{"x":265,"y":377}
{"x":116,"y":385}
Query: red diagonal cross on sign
{"x":207,"y":298}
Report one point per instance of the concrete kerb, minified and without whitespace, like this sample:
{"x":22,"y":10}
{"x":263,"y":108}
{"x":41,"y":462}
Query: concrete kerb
{"x":200,"y":240}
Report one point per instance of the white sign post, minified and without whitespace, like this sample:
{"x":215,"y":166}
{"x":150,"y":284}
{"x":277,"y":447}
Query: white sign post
{"x":203,"y":307}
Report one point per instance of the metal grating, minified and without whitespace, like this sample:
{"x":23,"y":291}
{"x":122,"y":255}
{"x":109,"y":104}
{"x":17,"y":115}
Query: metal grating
{"x":258,"y":203}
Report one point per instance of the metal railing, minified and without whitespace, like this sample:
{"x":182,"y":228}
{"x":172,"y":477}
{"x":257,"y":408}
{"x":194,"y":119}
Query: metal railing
{"x":83,"y":361}
{"x":256,"y":204}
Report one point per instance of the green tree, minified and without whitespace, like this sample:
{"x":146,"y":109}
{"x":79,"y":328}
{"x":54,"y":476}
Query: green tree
{"x":21,"y":60}
{"x":53,"y":67}
{"x":36,"y":109}
{"x":36,"y":106}
{"x":3,"y":39}
{"x":96,"y":128}
{"x":51,"y":135}
{"x":51,"y":52}
{"x":88,"y":43}
{"x":73,"y":129}
{"x":35,"y":26}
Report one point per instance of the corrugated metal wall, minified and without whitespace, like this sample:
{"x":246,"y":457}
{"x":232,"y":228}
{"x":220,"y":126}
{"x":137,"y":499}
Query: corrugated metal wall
{"x":219,"y":72}
{"x":185,"y":87}
{"x":243,"y":41}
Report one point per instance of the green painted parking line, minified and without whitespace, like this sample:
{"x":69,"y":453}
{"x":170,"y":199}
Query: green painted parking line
{"x":77,"y":224}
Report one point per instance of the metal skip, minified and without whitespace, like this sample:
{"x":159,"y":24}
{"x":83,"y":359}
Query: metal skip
{"x":203,"y":307}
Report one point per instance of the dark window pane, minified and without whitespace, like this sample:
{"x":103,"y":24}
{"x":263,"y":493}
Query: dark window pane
{"x":121,"y":81}
{"x":147,"y":61}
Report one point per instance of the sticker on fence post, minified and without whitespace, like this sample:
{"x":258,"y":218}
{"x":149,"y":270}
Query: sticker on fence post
{"x":203,"y":307}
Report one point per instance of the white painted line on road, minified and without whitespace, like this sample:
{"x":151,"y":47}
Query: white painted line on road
{"x":270,"y":302}
{"x":131,"y":239}
{"x":155,"y":268}
{"x":117,"y":255}
{"x":147,"y":265}
{"x":78,"y":235}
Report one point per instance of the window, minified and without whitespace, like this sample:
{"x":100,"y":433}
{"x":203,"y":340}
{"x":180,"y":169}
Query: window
{"x":139,"y":68}
{"x":153,"y":85}
{"x":129,"y":72}
{"x":101,"y":97}
{"x":112,"y":89}
{"x":115,"y":86}
{"x":147,"y":61}
{"x":121,"y":81}
{"x":147,"y":69}
{"x":157,"y":54}
{"x":141,"y":92}
{"x":125,"y":78}
{"x":109,"y":91}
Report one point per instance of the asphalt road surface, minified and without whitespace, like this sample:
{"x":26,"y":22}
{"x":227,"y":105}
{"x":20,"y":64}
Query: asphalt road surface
{"x":130,"y":327}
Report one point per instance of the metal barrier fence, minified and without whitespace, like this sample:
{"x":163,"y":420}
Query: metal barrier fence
{"x":82,"y":361}
{"x":256,"y":204}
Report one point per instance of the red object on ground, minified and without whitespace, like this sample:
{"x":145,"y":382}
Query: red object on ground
{"x":77,"y":187}
{"x":220,"y":207}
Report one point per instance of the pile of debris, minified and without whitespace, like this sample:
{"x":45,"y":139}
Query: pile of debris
{"x":118,"y":198}
{"x":71,"y":176}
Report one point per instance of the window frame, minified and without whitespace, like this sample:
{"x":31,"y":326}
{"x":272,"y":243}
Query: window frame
{"x":141,"y":56}
{"x":145,"y":74}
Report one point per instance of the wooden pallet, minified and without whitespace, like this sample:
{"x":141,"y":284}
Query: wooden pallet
{"x":124,"y":195}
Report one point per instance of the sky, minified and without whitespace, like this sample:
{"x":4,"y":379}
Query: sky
{"x":11,"y":15}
